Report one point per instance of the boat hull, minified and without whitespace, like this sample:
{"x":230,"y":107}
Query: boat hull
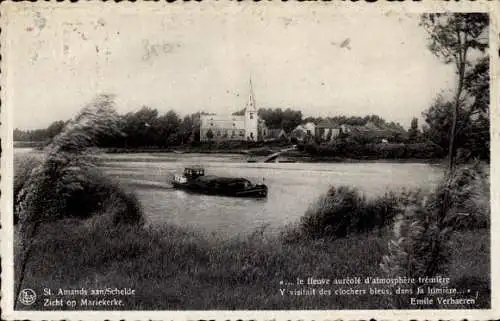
{"x":256,"y":191}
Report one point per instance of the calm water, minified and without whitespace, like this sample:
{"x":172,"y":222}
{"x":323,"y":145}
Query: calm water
{"x":292,"y":187}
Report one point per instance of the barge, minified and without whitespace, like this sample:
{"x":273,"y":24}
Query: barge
{"x":194,"y":180}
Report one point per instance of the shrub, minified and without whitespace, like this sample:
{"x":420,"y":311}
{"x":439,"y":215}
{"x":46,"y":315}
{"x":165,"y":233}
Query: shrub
{"x":380,"y":211}
{"x":123,"y":207}
{"x":344,"y":210}
{"x":424,"y":150}
{"x":334,"y":214}
{"x":369,"y":150}
{"x":99,"y":194}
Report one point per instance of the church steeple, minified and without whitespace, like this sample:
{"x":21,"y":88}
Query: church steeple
{"x":251,"y":99}
{"x":251,"y":118}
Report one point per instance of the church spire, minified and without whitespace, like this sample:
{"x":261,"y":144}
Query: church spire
{"x":251,"y":99}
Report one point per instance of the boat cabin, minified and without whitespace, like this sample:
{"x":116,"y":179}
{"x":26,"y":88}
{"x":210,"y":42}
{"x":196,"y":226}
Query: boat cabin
{"x":194,"y":172}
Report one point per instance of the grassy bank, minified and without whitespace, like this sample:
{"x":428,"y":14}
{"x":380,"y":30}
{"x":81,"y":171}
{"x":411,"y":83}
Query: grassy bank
{"x":172,"y":268}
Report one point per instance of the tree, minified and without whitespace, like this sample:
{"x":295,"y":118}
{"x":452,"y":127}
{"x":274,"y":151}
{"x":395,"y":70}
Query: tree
{"x":473,"y":133}
{"x":138,"y":127}
{"x":210,"y":134}
{"x":55,"y":128}
{"x":240,"y":112}
{"x":167,"y":129}
{"x":477,"y":85}
{"x":186,"y":129}
{"x":453,"y":36}
{"x":310,"y":119}
{"x":284,"y":119}
{"x":414,"y":132}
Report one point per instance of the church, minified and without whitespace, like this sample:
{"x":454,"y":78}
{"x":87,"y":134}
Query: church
{"x":248,"y":127}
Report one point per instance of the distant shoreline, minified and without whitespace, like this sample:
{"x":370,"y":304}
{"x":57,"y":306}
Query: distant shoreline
{"x":302,"y":158}
{"x":299,"y":157}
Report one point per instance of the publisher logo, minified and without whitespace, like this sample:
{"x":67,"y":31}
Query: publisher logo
{"x":27,"y":297}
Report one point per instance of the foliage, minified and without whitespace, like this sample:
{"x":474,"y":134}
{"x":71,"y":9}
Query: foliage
{"x":240,"y":112}
{"x":23,"y":166}
{"x":473,"y":133}
{"x":147,"y":129}
{"x":210,"y":134}
{"x":453,"y":36}
{"x":344,"y":210}
{"x":176,"y":268}
{"x":286,"y":119}
{"x":477,"y":85}
{"x":353,"y":149}
{"x":40,"y":135}
{"x":66,"y":181}
{"x":357,"y":121}
{"x":414,"y":132}
{"x":468,"y":189}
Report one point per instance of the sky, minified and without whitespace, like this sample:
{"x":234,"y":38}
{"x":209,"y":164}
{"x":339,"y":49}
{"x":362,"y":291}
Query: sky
{"x":319,"y":60}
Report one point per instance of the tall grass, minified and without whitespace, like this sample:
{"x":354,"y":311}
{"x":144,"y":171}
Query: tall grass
{"x":420,"y":245}
{"x":66,"y":181}
{"x":23,"y":166}
{"x":173,"y":268}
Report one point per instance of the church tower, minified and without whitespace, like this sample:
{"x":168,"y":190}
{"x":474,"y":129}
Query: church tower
{"x":251,"y":117}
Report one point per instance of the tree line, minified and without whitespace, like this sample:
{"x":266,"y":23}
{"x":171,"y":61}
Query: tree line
{"x":147,"y":128}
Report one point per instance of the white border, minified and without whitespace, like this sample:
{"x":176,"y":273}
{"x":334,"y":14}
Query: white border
{"x":8,"y":11}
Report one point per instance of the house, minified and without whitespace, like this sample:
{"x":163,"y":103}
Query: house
{"x":327,"y":130}
{"x":303,"y":132}
{"x":310,"y":128}
{"x":234,"y":127}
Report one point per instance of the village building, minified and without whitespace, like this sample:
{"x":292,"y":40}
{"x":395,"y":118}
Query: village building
{"x":303,"y":132}
{"x":327,"y":130}
{"x":234,"y":127}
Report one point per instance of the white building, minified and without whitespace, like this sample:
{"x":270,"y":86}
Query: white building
{"x":234,"y":127}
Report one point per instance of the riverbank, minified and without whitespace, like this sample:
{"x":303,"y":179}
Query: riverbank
{"x":172,"y":268}
{"x":259,"y":155}
{"x":257,"y":152}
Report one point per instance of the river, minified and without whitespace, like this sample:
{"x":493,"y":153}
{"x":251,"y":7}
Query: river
{"x":292,"y":187}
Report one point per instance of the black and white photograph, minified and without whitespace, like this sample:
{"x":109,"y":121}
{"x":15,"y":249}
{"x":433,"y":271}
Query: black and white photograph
{"x":246,"y":157}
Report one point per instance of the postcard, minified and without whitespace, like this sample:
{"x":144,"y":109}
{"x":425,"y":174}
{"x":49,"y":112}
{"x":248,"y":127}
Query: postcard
{"x":223,"y":160}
